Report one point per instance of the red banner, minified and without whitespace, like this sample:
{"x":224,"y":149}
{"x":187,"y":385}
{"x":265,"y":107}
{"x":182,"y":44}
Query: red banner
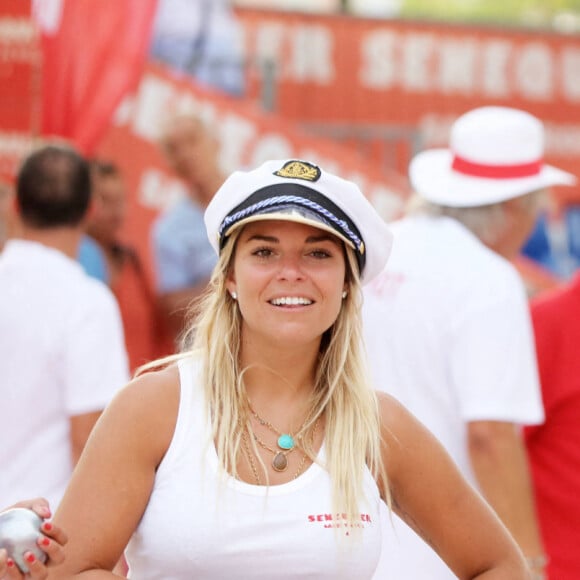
{"x":391,"y":87}
{"x":93,"y":54}
{"x":20,"y":70}
{"x":247,"y":136}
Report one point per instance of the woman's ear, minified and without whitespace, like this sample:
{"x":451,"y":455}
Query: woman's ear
{"x":231,"y":283}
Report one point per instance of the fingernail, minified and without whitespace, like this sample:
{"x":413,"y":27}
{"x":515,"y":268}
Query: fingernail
{"x":10,"y":563}
{"x":30,"y":558}
{"x":45,"y":541}
{"x":47,"y":526}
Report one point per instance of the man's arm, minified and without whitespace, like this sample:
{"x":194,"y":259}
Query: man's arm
{"x":80,"y":429}
{"x":499,"y":461}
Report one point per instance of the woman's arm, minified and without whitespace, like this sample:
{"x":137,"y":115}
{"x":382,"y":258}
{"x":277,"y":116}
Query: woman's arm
{"x":112,"y":482}
{"x":431,"y":495}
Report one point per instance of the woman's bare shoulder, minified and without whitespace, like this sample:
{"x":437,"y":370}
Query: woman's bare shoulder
{"x":147,"y":407}
{"x":152,"y":391}
{"x":400,"y":428}
{"x":392,"y":412}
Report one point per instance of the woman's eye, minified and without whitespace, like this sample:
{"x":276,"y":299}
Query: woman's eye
{"x":262,"y":252}
{"x":320,"y":254}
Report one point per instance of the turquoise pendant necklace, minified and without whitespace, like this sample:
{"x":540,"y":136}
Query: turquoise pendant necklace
{"x":285,"y":442}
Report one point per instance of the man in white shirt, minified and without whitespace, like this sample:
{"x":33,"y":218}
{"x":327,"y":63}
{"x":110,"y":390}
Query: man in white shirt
{"x":447,"y":326}
{"x":62,"y":349}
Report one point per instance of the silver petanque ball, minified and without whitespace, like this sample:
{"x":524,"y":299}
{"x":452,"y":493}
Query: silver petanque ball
{"x":19,"y":529}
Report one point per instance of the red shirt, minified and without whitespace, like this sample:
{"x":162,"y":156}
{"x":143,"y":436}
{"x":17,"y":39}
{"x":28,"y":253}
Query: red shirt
{"x":554,"y":447}
{"x":144,"y":338}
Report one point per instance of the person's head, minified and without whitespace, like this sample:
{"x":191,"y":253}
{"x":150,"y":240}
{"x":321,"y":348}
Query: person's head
{"x":294,"y":243}
{"x":311,"y":222}
{"x":502,"y":226}
{"x":491,"y":177}
{"x":109,"y":207}
{"x":191,"y":151}
{"x":53,"y":188}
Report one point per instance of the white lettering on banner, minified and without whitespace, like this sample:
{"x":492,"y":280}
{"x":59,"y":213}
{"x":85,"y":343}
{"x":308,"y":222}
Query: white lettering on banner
{"x":15,"y":144}
{"x":16,"y":31}
{"x":236,"y":136}
{"x":494,"y":73}
{"x":377,"y":69}
{"x":534,"y":72}
{"x":48,"y":14}
{"x":241,"y":143}
{"x":570,"y":73}
{"x":18,"y":41}
{"x":157,"y":99}
{"x":563,"y":140}
{"x":187,"y":104}
{"x":151,"y":104}
{"x":157,"y":191}
{"x":269,"y":41}
{"x":527,"y":67}
{"x":311,"y":57}
{"x":457,"y":66}
{"x":302,"y":53}
{"x":419,"y":63}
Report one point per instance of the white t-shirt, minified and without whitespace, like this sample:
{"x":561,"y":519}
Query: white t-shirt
{"x":200,"y":524}
{"x":448,"y":333}
{"x":62,"y":354}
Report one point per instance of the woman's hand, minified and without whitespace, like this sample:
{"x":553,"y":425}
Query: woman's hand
{"x":51,"y":541}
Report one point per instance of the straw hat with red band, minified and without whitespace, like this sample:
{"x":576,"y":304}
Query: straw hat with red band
{"x":495,"y":154}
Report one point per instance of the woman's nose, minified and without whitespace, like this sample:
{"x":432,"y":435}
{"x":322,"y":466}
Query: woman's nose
{"x":290,"y":268}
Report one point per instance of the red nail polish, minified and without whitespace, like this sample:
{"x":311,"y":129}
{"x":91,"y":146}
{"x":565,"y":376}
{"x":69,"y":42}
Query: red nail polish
{"x":10,"y":563}
{"x":47,"y":526}
{"x":45,"y":541}
{"x":30,"y":558}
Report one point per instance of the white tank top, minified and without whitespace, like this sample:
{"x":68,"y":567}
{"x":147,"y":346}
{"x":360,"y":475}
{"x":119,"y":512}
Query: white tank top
{"x":201,"y":524}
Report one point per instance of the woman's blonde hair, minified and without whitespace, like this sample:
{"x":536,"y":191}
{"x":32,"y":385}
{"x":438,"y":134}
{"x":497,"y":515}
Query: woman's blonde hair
{"x":342,"y":387}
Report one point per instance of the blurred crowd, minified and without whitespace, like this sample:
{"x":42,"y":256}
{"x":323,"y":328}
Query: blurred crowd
{"x":449,"y":329}
{"x":78,"y":302}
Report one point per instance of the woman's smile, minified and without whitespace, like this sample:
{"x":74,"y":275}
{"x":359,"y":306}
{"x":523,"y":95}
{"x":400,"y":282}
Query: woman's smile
{"x":290,"y":269}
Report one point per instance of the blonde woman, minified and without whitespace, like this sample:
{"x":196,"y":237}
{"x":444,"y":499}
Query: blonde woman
{"x":262,"y":452}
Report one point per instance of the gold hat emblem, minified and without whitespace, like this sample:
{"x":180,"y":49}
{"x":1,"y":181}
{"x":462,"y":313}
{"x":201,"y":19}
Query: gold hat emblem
{"x":299,"y":170}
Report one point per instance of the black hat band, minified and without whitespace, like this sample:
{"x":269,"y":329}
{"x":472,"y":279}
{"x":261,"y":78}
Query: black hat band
{"x":282,"y":196}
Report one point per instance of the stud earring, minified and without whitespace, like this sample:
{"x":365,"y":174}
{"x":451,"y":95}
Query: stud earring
{"x":234,"y":295}
{"x":344,"y":294}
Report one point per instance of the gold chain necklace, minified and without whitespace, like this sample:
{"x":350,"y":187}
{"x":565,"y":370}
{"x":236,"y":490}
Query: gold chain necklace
{"x":280,"y":461}
{"x":286,"y":441}
{"x":250,"y":455}
{"x":250,"y":458}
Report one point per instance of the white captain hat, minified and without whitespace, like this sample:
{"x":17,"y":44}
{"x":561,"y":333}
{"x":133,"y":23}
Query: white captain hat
{"x":299,"y":191}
